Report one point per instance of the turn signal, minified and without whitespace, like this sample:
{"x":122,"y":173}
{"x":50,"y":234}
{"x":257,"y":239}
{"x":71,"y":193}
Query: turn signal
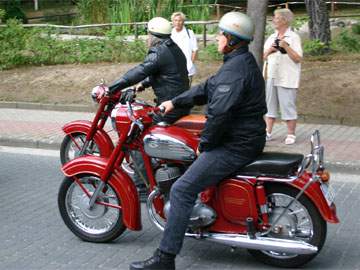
{"x":324,"y":176}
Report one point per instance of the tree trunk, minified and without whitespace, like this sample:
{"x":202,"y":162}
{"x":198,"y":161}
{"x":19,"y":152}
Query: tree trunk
{"x":319,"y":25}
{"x":257,"y":9}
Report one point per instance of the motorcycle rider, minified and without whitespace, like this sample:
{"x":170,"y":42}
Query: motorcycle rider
{"x":233,"y":136}
{"x":164,"y":68}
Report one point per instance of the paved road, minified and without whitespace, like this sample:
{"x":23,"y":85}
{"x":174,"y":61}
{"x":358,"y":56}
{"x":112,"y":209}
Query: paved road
{"x":33,"y":236}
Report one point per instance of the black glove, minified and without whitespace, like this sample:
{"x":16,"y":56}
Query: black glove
{"x":127,"y":95}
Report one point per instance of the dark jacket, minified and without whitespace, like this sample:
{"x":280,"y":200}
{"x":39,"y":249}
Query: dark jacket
{"x":236,"y":104}
{"x":164,"y":68}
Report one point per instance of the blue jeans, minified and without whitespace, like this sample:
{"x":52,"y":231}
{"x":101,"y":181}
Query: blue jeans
{"x":207,"y":170}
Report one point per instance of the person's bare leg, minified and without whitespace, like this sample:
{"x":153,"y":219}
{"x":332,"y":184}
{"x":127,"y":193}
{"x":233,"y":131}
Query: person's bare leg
{"x":291,"y":126}
{"x":270,"y":121}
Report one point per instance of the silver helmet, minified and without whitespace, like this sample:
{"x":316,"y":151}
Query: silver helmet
{"x":159,"y":27}
{"x":237,"y":24}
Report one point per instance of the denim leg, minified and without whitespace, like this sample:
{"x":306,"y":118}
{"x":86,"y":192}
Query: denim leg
{"x":207,"y":170}
{"x":138,"y":159}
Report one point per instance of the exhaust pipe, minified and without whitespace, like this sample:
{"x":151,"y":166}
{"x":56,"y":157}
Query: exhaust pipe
{"x":259,"y":243}
{"x":238,"y":240}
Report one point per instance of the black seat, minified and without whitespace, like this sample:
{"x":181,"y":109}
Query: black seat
{"x":273,"y":164}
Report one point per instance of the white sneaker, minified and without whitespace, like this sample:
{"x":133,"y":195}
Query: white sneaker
{"x":268,"y":136}
{"x":290,"y":139}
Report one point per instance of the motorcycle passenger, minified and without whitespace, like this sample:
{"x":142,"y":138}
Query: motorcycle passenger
{"x":165,"y":70}
{"x":233,"y":136}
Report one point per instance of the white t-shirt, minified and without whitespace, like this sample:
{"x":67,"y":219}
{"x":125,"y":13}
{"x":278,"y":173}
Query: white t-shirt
{"x":188,"y":45}
{"x":281,"y":68}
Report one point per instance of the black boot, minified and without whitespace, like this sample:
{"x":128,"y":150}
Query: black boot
{"x":160,"y":260}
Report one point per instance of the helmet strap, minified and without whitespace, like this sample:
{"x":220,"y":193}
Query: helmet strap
{"x":232,"y":43}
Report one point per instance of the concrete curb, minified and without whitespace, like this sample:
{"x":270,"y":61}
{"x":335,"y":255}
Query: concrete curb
{"x":38,"y":144}
{"x":48,"y":107}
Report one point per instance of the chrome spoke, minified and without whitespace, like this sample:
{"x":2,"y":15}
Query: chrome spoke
{"x":295,"y":224}
{"x":98,"y":220}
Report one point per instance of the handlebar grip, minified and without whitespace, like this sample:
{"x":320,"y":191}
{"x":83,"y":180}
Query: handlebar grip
{"x":161,"y":109}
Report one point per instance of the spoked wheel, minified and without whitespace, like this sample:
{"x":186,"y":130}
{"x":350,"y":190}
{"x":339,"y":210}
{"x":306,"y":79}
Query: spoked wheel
{"x":73,"y":143}
{"x":103,"y":222}
{"x":302,"y":221}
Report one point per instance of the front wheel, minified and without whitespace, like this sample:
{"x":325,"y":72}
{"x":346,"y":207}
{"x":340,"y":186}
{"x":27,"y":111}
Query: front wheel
{"x":101,"y":223}
{"x":302,"y":221}
{"x":72,"y":145}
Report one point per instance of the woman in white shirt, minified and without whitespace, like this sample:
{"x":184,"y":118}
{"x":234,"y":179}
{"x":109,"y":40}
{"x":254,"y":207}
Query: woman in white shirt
{"x":283,"y":54}
{"x":186,"y":40}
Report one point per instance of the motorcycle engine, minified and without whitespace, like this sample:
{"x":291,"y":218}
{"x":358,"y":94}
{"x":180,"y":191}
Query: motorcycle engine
{"x":166,"y":176}
{"x":201,"y":215}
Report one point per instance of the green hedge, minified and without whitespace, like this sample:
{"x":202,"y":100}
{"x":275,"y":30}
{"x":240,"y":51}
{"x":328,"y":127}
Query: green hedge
{"x":20,"y":46}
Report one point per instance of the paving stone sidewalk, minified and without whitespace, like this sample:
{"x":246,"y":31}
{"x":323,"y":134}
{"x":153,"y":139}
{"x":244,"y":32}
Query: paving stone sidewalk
{"x":42,"y":129}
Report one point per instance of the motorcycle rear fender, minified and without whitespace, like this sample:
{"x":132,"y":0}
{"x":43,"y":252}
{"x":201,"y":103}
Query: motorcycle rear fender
{"x":315,"y":194}
{"x":120,"y":181}
{"x":101,"y":138}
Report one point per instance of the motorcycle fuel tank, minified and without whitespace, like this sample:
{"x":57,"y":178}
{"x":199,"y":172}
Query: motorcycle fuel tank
{"x":171,"y":143}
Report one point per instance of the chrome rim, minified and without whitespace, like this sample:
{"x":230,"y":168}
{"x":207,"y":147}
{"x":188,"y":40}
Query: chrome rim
{"x":296,"y":223}
{"x":98,"y":220}
{"x":73,"y":148}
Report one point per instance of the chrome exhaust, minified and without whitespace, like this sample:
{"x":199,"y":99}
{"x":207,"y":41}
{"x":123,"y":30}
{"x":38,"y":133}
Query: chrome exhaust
{"x":239,"y":240}
{"x":259,"y":243}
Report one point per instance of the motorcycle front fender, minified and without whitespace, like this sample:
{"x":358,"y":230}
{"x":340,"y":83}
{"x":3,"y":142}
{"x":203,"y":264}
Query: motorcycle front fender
{"x":314,"y":193}
{"x":120,"y":181}
{"x":101,"y":138}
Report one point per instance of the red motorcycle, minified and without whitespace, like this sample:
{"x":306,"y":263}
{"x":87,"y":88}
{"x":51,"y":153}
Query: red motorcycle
{"x":277,"y":207}
{"x":89,"y":137}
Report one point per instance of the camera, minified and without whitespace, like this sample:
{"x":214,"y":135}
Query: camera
{"x":277,"y":46}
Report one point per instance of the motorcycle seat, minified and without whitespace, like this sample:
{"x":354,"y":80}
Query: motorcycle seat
{"x":193,"y":122}
{"x":273,"y":164}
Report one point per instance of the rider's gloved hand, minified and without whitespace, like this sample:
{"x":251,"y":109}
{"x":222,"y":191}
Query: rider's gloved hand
{"x":127,"y":95}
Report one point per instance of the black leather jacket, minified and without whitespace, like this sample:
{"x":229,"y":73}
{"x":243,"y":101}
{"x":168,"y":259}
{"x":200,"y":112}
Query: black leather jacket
{"x":235,"y":98}
{"x":164,"y":68}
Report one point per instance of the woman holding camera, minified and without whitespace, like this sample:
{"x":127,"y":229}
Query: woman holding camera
{"x":283,"y":54}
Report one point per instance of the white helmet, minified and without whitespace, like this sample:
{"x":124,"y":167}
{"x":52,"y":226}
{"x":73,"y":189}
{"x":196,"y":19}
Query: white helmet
{"x":159,"y":27}
{"x":237,"y":24}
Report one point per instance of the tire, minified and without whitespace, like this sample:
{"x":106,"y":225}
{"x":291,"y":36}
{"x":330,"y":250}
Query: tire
{"x":70,"y":150}
{"x":100,"y":224}
{"x":316,"y":234}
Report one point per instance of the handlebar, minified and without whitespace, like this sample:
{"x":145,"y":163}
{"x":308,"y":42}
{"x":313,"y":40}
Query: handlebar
{"x":160,"y":109}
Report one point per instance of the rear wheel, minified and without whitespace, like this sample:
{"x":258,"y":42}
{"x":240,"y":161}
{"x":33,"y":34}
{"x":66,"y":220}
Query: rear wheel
{"x":302,"y":221}
{"x":103,"y":222}
{"x":73,"y":143}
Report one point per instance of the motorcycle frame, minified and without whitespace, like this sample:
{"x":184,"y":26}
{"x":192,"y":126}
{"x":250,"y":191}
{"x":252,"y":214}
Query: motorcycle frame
{"x":94,"y":130}
{"x":110,"y":171}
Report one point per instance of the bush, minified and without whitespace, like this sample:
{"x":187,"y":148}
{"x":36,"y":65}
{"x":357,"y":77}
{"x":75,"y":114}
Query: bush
{"x":14,"y":12}
{"x":315,"y":47}
{"x":2,"y":14}
{"x":356,"y":28}
{"x":347,"y":42}
{"x":40,"y":47}
{"x":210,"y":53}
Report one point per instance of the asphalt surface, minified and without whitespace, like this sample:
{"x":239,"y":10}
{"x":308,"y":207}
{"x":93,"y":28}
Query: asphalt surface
{"x":33,"y":236}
